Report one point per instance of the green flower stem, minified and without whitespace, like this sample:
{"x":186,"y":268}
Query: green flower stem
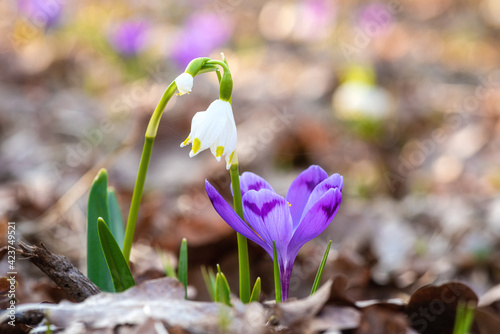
{"x":225,"y":81}
{"x":155,"y":118}
{"x":244,"y":266}
{"x":143,"y":169}
{"x":218,"y":62}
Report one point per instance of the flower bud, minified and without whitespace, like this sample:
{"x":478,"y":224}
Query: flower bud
{"x":184,"y":83}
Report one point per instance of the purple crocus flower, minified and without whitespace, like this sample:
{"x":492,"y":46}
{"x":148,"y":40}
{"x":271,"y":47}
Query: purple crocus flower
{"x":130,"y":37}
{"x":310,"y":205}
{"x":41,"y":13}
{"x":375,"y":18}
{"x":202,"y":34}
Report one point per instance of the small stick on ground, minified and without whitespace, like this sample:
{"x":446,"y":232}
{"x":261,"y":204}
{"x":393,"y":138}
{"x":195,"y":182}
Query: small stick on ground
{"x":60,"y":270}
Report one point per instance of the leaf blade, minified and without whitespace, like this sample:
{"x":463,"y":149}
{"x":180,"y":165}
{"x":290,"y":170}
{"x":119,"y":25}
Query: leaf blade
{"x":320,"y":269}
{"x":222,"y":290}
{"x":182,"y":272}
{"x":254,"y":297}
{"x":97,"y":269}
{"x":277,"y":280}
{"x":210,"y":281}
{"x":168,"y":268}
{"x":115,"y":224}
{"x":117,"y":266}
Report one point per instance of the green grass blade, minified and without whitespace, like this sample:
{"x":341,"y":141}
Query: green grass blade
{"x":168,"y":268}
{"x":118,"y":267}
{"x":222,"y":290}
{"x":183,"y":266}
{"x":254,"y":297}
{"x":320,"y":269}
{"x":115,"y":223}
{"x":463,"y":318}
{"x":97,"y":269}
{"x":277,"y":281}
{"x":469,"y":318}
{"x":209,"y":278}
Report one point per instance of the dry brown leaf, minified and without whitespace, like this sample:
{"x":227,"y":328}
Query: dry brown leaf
{"x":301,"y":310}
{"x":377,"y":319}
{"x":432,"y":309}
{"x":335,"y":318}
{"x":485,"y":321}
{"x":161,"y":300}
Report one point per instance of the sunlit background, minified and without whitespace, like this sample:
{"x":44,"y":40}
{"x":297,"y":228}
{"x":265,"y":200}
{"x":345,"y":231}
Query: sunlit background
{"x":401,"y":97}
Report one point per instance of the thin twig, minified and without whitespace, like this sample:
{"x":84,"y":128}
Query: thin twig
{"x":60,"y":270}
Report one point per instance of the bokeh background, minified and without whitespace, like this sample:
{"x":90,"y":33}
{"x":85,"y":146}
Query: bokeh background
{"x":401,"y":97}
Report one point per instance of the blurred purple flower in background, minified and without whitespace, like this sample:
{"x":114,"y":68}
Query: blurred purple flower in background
{"x":312,"y":201}
{"x":372,"y":18}
{"x":41,"y":13}
{"x":130,"y":37}
{"x":202,"y":34}
{"x":315,"y":19}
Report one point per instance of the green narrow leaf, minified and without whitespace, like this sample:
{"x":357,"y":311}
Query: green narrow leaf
{"x":183,"y":266}
{"x":469,"y":318}
{"x":320,"y":269}
{"x":166,"y":264}
{"x":115,"y":223}
{"x":457,"y":328}
{"x":277,"y":281}
{"x":254,"y":297}
{"x":222,"y":290}
{"x":463,"y":318}
{"x":118,"y":267}
{"x":97,"y":269}
{"x":209,"y":278}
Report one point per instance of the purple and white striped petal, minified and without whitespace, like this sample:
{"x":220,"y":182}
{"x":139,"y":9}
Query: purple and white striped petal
{"x":251,"y":181}
{"x":232,"y":218}
{"x":269,"y":215}
{"x":300,"y":189}
{"x":315,"y":221}
{"x":334,"y":181}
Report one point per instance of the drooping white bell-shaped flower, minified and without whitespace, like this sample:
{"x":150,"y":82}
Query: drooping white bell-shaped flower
{"x":184,"y":83}
{"x":215,"y":129}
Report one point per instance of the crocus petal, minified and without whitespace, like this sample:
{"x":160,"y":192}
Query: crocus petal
{"x":251,"y":181}
{"x":334,"y":181}
{"x":231,"y":218}
{"x":269,"y":215}
{"x":184,"y":83}
{"x":315,"y":221}
{"x":301,"y":188}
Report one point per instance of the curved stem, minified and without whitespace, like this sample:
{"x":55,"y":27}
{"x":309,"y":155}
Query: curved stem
{"x":143,"y":169}
{"x":218,"y":62}
{"x":155,"y":118}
